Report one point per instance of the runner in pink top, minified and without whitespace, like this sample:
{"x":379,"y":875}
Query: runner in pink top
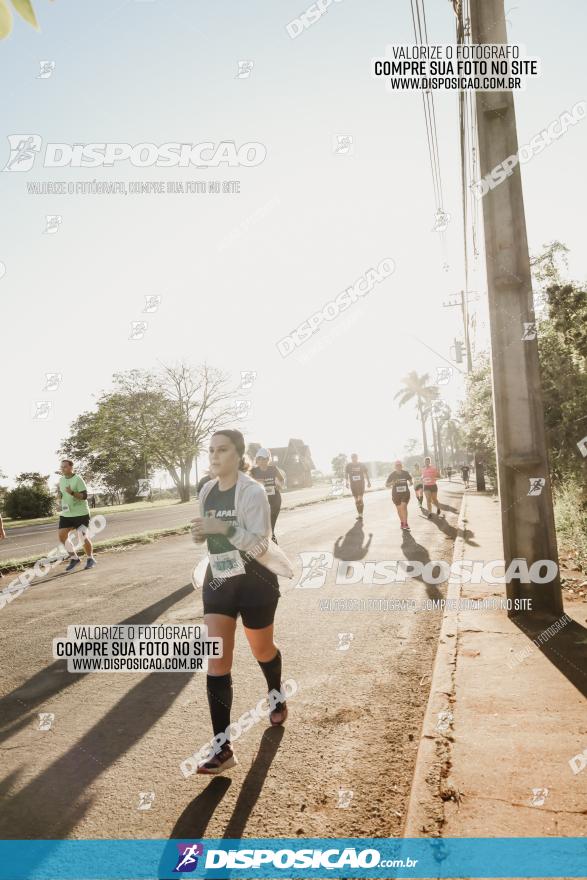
{"x":429,"y":477}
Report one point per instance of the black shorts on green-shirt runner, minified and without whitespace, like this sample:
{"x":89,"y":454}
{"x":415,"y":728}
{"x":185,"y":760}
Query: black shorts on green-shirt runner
{"x":73,"y":522}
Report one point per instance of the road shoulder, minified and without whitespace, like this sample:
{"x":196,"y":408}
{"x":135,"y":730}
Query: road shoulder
{"x":490,"y":761}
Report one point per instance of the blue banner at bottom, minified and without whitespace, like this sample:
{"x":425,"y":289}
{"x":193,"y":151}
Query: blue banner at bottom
{"x":293,"y":857}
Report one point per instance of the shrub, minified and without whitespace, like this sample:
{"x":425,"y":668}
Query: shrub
{"x":28,"y":502}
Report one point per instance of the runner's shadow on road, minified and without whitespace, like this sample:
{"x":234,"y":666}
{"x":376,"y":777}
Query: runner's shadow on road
{"x":449,"y":508}
{"x":253,"y":784}
{"x":19,"y":703}
{"x":415,"y":552}
{"x":194,"y":821}
{"x":40,"y":582}
{"x":451,"y":532}
{"x":351,"y":548}
{"x":566,"y":650}
{"x":48,"y":806}
{"x":466,"y":535}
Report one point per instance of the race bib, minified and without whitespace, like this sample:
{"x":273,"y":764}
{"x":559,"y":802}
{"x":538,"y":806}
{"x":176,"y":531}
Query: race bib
{"x":228,"y":564}
{"x":401,"y":488}
{"x":270,"y":490}
{"x":356,"y":477}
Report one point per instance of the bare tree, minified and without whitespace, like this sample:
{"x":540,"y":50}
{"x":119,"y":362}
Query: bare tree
{"x":171,"y":414}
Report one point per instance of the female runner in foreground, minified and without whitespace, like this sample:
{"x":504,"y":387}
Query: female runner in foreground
{"x":235,"y":521}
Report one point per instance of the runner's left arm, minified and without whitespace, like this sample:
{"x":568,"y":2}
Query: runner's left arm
{"x":256,"y":515}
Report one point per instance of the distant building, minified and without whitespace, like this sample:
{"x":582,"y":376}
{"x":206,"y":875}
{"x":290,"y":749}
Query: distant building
{"x":295,"y":460}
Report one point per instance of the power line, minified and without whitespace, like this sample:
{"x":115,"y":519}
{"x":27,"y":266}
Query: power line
{"x":421,"y":37}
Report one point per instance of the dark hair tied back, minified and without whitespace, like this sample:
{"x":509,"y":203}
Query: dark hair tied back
{"x":238,"y":441}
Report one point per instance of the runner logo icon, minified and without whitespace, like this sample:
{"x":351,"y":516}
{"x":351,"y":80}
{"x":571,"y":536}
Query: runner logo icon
{"x":23,"y":149}
{"x":315,"y":567}
{"x":187,"y":860}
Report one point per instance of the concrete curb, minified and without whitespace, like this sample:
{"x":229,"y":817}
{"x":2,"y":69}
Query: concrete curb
{"x":425,"y":813}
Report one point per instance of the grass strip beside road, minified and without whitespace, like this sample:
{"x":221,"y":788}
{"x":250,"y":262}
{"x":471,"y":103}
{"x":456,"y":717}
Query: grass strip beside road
{"x":94,"y":511}
{"x":101,"y":546}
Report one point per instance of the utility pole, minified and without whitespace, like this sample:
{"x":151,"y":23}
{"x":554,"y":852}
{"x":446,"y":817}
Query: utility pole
{"x":465,"y":310}
{"x":522,"y":460}
{"x":464,"y":304}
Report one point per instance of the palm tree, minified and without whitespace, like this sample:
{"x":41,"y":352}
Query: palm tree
{"x":442,"y":413}
{"x":416,"y":388}
{"x":430,"y":409}
{"x":454,"y":438}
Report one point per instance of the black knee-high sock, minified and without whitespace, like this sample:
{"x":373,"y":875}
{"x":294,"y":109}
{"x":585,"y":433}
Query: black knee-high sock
{"x":219,"y":689}
{"x":272,"y":671}
{"x":360,"y":507}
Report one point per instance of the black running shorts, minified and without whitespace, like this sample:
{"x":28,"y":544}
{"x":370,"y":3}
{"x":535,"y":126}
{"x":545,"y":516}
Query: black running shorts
{"x":400,"y":497}
{"x":254,"y":595}
{"x":73,"y":522}
{"x":358,"y":488}
{"x":432,"y":488}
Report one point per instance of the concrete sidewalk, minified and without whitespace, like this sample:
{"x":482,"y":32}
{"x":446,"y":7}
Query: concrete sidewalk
{"x":505,"y":716}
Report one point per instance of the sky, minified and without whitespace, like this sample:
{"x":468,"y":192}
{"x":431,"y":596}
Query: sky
{"x":237,"y":272}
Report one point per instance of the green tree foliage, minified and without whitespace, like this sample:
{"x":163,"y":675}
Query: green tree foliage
{"x":562,"y":348}
{"x":339,"y":463}
{"x":563,"y":361}
{"x":410,"y":446}
{"x":99,"y":445}
{"x":3,"y":490}
{"x":152,"y":421}
{"x":30,"y":498}
{"x":476,"y":414}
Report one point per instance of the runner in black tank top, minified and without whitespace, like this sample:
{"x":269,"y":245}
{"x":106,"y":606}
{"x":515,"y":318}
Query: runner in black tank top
{"x":400,"y":481}
{"x":355,"y":474}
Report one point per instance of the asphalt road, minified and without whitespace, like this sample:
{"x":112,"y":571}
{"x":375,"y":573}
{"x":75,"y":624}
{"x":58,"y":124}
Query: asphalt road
{"x":341,"y":766}
{"x":24,"y":541}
